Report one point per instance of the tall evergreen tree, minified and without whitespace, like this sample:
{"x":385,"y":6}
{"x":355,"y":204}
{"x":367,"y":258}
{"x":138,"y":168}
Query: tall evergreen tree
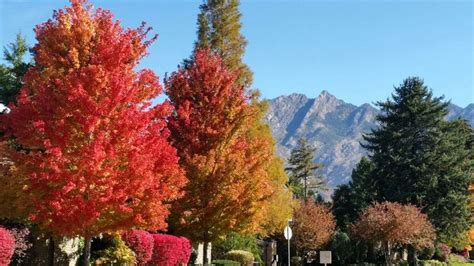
{"x":349,"y":200}
{"x":11,"y":74}
{"x":303,"y":180}
{"x":219,"y":30}
{"x":420,"y":158}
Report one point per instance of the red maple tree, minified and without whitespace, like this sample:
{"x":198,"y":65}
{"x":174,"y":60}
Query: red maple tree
{"x":224,"y":161}
{"x":96,"y":151}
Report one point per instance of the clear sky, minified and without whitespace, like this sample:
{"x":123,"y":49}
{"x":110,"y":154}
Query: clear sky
{"x":355,"y":49}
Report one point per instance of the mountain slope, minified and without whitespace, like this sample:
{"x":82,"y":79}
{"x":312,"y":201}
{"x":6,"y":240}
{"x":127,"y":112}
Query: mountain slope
{"x":334,"y":127}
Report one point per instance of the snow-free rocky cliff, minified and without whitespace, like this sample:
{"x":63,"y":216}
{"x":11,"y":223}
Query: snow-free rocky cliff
{"x":334,"y":127}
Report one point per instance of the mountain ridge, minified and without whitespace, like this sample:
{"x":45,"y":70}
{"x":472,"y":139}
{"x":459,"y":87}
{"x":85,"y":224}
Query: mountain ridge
{"x":331,"y":125}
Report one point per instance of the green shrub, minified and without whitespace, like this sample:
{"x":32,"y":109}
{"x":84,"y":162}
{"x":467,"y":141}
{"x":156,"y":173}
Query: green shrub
{"x":426,"y":253}
{"x":235,"y":241}
{"x":117,"y":253}
{"x":226,"y":263}
{"x":245,"y":258}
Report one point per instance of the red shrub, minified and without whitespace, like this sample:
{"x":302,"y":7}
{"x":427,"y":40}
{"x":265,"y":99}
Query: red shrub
{"x":141,"y":242}
{"x":170,"y":250}
{"x":7,"y":246}
{"x":186,"y":250}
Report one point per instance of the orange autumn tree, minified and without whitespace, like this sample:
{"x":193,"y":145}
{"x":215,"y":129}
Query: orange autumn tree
{"x":14,"y":205}
{"x":313,"y":225}
{"x":394,"y":225}
{"x":225,"y":163}
{"x":96,"y":154}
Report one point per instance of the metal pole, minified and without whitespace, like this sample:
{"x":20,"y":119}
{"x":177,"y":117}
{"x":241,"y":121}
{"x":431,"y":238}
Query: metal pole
{"x":289,"y":251}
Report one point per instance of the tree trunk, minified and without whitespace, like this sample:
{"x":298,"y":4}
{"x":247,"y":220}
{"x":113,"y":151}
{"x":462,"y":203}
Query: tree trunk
{"x":370,"y":253}
{"x":51,"y":250}
{"x":204,"y":258}
{"x":86,"y":254}
{"x":305,"y":189}
{"x":412,"y":256}
{"x":388,"y":254}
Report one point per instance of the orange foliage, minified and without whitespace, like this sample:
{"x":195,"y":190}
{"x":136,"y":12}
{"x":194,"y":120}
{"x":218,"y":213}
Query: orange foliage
{"x":14,"y":202}
{"x":394,"y":223}
{"x":224,"y":161}
{"x":313,"y":225}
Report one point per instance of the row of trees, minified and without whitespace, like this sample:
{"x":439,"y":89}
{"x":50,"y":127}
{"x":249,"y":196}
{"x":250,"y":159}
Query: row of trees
{"x":86,"y":152}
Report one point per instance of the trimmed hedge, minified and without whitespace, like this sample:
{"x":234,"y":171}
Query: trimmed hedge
{"x":7,"y":246}
{"x":245,"y":258}
{"x":170,"y":250}
{"x":226,"y":263}
{"x":141,"y":242}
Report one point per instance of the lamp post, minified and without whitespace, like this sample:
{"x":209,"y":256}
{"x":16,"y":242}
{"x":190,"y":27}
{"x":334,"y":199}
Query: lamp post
{"x":288,"y":234}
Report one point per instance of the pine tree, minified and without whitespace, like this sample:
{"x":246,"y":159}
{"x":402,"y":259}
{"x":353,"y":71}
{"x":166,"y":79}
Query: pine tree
{"x":219,"y":30}
{"x":349,"y":200}
{"x":11,"y":75}
{"x":301,"y":170}
{"x":421,"y":159}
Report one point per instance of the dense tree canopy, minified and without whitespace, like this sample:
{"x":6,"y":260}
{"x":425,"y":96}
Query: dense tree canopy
{"x":349,"y":200}
{"x":98,"y":157}
{"x":420,"y":158}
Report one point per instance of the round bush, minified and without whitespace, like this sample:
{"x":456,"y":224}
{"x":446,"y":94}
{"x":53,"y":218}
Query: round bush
{"x":7,"y":246}
{"x":141,"y":242}
{"x":170,"y":250}
{"x":244,"y":257}
{"x":442,"y":252}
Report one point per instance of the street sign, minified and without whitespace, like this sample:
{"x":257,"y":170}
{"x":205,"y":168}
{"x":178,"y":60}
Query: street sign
{"x":288,"y":233}
{"x":325,"y":257}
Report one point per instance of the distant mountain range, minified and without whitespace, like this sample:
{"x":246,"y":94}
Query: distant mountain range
{"x":334,"y":127}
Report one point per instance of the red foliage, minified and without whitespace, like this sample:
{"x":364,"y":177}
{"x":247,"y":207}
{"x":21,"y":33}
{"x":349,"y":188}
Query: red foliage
{"x":7,"y":246}
{"x":186,"y":250}
{"x":99,"y":157}
{"x":170,"y":250}
{"x":141,"y":242}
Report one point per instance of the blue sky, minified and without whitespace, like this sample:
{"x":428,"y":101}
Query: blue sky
{"x":357,"y":50}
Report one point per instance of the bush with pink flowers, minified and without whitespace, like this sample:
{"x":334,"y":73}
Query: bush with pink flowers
{"x":141,"y":242}
{"x":7,"y":246}
{"x":170,"y":250}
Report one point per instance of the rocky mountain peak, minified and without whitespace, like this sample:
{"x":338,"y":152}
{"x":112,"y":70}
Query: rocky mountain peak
{"x":334,"y":127}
